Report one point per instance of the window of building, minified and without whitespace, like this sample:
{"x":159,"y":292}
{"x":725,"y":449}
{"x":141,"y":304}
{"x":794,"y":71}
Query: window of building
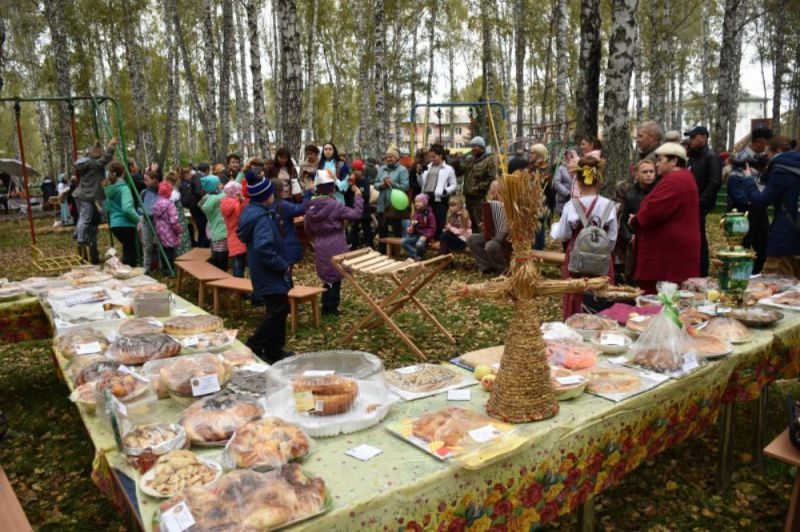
{"x":458,"y":131}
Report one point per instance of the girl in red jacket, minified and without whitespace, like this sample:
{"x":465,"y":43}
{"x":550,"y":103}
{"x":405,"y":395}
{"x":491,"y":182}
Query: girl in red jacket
{"x":231,"y":207}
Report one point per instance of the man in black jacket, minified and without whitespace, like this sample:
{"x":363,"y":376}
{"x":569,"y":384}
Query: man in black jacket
{"x":706,"y":167}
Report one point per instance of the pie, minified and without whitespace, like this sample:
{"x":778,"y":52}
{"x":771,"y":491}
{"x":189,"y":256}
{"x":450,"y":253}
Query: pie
{"x":213,"y":420}
{"x":331,"y":394}
{"x":422,"y":378}
{"x":177,"y":376}
{"x":245,"y":500}
{"x":450,"y":425}
{"x":692,"y":316}
{"x":269,"y":442}
{"x":710,"y":346}
{"x":638,"y":322}
{"x":177,"y":470}
{"x":608,"y":380}
{"x":139,"y":348}
{"x":725,"y":329}
{"x":68,"y":343}
{"x":756,"y":317}
{"x":572,"y":355}
{"x":247,"y":383}
{"x":558,"y":387}
{"x":590,"y":322}
{"x":183,"y":325}
{"x":483,"y":357}
{"x":659,"y":359}
{"x":140,"y":326}
{"x":206,"y":341}
{"x":239,"y":356}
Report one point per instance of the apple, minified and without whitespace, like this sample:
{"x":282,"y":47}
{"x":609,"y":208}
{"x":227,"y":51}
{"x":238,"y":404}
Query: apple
{"x":481,"y":371}
{"x":713,"y":295}
{"x":487,"y":381}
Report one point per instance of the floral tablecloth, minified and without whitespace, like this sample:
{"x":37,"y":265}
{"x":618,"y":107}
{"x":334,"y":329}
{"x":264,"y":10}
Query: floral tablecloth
{"x":22,"y":320}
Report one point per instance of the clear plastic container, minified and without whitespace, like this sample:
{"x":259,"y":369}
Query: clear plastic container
{"x":148,"y":303}
{"x":265,"y":444}
{"x":329,"y":392}
{"x":80,"y":341}
{"x":139,"y":348}
{"x":190,"y":377}
{"x":143,"y":444}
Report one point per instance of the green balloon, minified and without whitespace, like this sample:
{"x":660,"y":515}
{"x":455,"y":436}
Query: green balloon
{"x":399,"y":199}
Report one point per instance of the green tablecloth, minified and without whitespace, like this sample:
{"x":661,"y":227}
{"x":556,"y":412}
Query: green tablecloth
{"x":22,"y":320}
{"x":586,"y":448}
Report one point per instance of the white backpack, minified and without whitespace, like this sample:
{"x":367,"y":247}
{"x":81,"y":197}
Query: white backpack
{"x":591,"y":252}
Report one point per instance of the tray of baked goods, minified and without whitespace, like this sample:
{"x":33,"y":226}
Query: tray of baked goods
{"x":424,"y":380}
{"x":616,"y":383}
{"x":329,"y":392}
{"x":789,"y":300}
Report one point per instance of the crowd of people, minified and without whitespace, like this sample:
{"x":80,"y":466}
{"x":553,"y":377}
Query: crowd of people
{"x":652,"y":229}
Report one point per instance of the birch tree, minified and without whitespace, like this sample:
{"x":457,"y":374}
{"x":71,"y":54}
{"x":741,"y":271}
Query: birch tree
{"x":259,"y":111}
{"x":778,"y":42}
{"x":488,"y":81}
{"x":244,"y":120}
{"x":365,"y":120}
{"x":52,"y":12}
{"x":731,"y":40}
{"x":621,"y":50}
{"x":210,"y":73}
{"x":431,"y":48}
{"x":381,"y":117}
{"x":225,"y":76}
{"x":587,"y":95}
{"x":311,"y":69}
{"x":292,"y":71}
{"x":562,"y":65}
{"x":519,"y":62}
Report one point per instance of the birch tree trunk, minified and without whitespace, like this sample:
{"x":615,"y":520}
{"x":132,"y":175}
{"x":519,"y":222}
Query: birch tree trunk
{"x":587,"y":96}
{"x":47,"y":138}
{"x":259,"y":113}
{"x":365,"y":118}
{"x":277,"y":73}
{"x":209,"y":71}
{"x":778,"y":64}
{"x":431,"y":47}
{"x":733,"y":106}
{"x":171,"y":103}
{"x":638,"y":72}
{"x":561,"y":68}
{"x":488,"y":82}
{"x":292,"y":71}
{"x":381,"y":117}
{"x":53,"y":12}
{"x":554,"y":18}
{"x":176,"y":99}
{"x":145,"y":147}
{"x":243,"y":106}
{"x":311,"y":69}
{"x":705,"y":74}
{"x":657,"y":93}
{"x":621,"y":50}
{"x":519,"y":63}
{"x":225,"y":77}
{"x":727,"y":57}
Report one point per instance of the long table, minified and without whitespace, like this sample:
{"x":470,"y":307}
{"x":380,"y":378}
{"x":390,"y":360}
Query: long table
{"x":590,"y":445}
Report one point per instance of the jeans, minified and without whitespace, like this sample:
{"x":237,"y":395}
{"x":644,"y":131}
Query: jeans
{"x":127,"y":237}
{"x":239,"y":265}
{"x":85,"y":232}
{"x":148,"y":243}
{"x":415,"y":245}
{"x":356,"y":228}
{"x":331,"y":298}
{"x":269,"y":338}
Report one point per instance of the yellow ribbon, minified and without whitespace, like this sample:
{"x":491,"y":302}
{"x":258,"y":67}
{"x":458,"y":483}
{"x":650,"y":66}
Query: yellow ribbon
{"x":588,"y":175}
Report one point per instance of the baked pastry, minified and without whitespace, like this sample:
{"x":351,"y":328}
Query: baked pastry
{"x":209,"y":341}
{"x":245,"y":500}
{"x":331,"y":394}
{"x":610,"y":380}
{"x":68,"y":344}
{"x":422,"y":378}
{"x":247,"y":384}
{"x":590,"y":322}
{"x":183,"y":325}
{"x":637,"y":322}
{"x":791,"y":299}
{"x":561,"y":388}
{"x":725,"y":329}
{"x":268,"y":442}
{"x":178,"y":375}
{"x":139,"y":348}
{"x":756,"y":316}
{"x":692,"y":316}
{"x":96,"y":369}
{"x":140,"y":326}
{"x":214,"y":420}
{"x":122,"y":385}
{"x":572,"y":355}
{"x":483,"y":357}
{"x":700,"y":284}
{"x":177,"y":470}
{"x":709,"y":346}
{"x":83,"y":395}
{"x":239,"y":356}
{"x":658,"y":359}
{"x":143,"y":445}
{"x":451,"y":426}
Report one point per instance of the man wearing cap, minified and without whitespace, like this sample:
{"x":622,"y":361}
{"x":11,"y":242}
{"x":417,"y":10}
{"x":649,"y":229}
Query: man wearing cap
{"x":391,"y":175}
{"x":269,"y":269}
{"x":667,"y":223}
{"x":706,"y":167}
{"x":480,"y":172}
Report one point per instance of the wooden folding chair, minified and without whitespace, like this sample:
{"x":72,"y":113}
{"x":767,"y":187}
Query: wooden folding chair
{"x":408,"y":279}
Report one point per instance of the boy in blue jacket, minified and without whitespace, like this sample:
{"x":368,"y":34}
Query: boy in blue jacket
{"x":269,"y":269}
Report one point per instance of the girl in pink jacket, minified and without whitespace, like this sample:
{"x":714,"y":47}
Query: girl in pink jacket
{"x":231,"y":207}
{"x":165,"y":218}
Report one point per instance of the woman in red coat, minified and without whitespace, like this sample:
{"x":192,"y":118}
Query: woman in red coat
{"x":667,"y":225}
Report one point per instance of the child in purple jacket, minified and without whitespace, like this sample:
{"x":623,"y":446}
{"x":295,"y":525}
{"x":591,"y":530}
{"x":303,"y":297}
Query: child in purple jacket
{"x":324,"y":223}
{"x":421,"y":229}
{"x":165,"y":218}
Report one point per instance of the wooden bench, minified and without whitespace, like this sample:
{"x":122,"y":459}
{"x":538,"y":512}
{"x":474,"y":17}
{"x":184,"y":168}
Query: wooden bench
{"x":548,"y":257}
{"x":12,"y":517}
{"x":238,"y":285}
{"x":195,"y":254}
{"x":200,"y":270}
{"x":394,"y":245}
{"x":781,"y":448}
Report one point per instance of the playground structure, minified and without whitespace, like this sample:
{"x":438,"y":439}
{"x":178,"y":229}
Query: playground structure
{"x":64,"y":262}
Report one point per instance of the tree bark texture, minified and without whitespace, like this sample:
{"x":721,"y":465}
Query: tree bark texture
{"x":562,"y":64}
{"x":244,"y":120}
{"x":778,"y":63}
{"x":727,"y":57}
{"x":259,"y":112}
{"x":519,"y":63}
{"x":366,"y":125}
{"x":431,"y":47}
{"x":587,"y":96}
{"x":488,"y":82}
{"x":226,"y":59}
{"x":53,"y":10}
{"x":381,"y":117}
{"x":292,"y":70}
{"x":311,"y":70}
{"x":705,"y":74}
{"x":210,"y":73}
{"x":145,"y":146}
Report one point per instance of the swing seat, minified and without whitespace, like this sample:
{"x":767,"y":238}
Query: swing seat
{"x":55,"y":264}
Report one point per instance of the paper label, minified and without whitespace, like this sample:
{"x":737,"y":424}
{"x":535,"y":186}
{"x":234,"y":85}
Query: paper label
{"x":125,"y":369}
{"x":87,"y":349}
{"x":205,"y":385}
{"x":178,"y":518}
{"x":318,"y":372}
{"x":618,"y":360}
{"x":723,"y":310}
{"x":612,"y":339}
{"x":304,"y":401}
{"x":364,"y":452}
{"x":496,"y":366}
{"x":61,"y":324}
{"x":119,"y":405}
{"x":121,"y":314}
{"x":458,"y":395}
{"x":640,"y":319}
{"x":690,"y":362}
{"x":484,"y":434}
{"x":257,"y":368}
{"x":570,"y":379}
{"x":707,"y":309}
{"x":407,"y":370}
{"x":319,"y":406}
{"x":191,"y":341}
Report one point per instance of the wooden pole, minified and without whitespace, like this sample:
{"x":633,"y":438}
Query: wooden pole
{"x":17,"y":113}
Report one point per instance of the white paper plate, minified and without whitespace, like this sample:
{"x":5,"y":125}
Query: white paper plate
{"x":152,"y":472}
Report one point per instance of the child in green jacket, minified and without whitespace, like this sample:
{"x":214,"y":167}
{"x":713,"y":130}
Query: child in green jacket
{"x":122,"y":216}
{"x":217,"y":231}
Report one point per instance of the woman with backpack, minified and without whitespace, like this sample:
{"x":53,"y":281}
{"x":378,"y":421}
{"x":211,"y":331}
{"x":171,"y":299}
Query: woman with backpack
{"x":589,"y":227}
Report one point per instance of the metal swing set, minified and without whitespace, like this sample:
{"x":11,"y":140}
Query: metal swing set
{"x":51,"y":264}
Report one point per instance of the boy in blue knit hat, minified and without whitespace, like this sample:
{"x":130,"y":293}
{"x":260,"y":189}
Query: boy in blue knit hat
{"x":269,"y":269}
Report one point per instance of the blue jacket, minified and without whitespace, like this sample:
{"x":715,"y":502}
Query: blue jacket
{"x":285,"y":212}
{"x":781,"y":191}
{"x":266,"y":256}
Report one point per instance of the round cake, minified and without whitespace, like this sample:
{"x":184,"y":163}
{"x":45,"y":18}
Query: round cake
{"x":140,"y":326}
{"x":332,"y":394}
{"x":139,"y":348}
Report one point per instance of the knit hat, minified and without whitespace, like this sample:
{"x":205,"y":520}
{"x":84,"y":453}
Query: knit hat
{"x":672,"y":136}
{"x":478,"y":141}
{"x":258,"y":188}
{"x":672,"y":149}
{"x":423,"y":198}
{"x":358,"y":165}
{"x":210,"y":183}
{"x":394,"y":152}
{"x":165,"y":190}
{"x":323,"y":176}
{"x":232,"y":189}
{"x":540,"y":150}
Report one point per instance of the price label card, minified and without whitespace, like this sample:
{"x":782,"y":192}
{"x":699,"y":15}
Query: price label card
{"x":640,"y":319}
{"x":61,"y":324}
{"x":125,"y":369}
{"x":612,"y":339}
{"x":707,"y":309}
{"x":484,"y":434}
{"x":690,"y":362}
{"x":364,"y":452}
{"x":407,"y":370}
{"x":191,"y":341}
{"x":570,"y":379}
{"x":618,"y":360}
{"x":458,"y":395}
{"x":318,"y":372}
{"x":205,"y":385}
{"x":257,"y":368}
{"x":723,"y":310}
{"x":178,"y":518}
{"x":87,"y":349}
{"x":304,"y":401}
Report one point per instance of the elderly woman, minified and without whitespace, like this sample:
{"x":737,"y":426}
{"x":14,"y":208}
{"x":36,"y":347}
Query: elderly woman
{"x":667,"y":224}
{"x":392,"y":175}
